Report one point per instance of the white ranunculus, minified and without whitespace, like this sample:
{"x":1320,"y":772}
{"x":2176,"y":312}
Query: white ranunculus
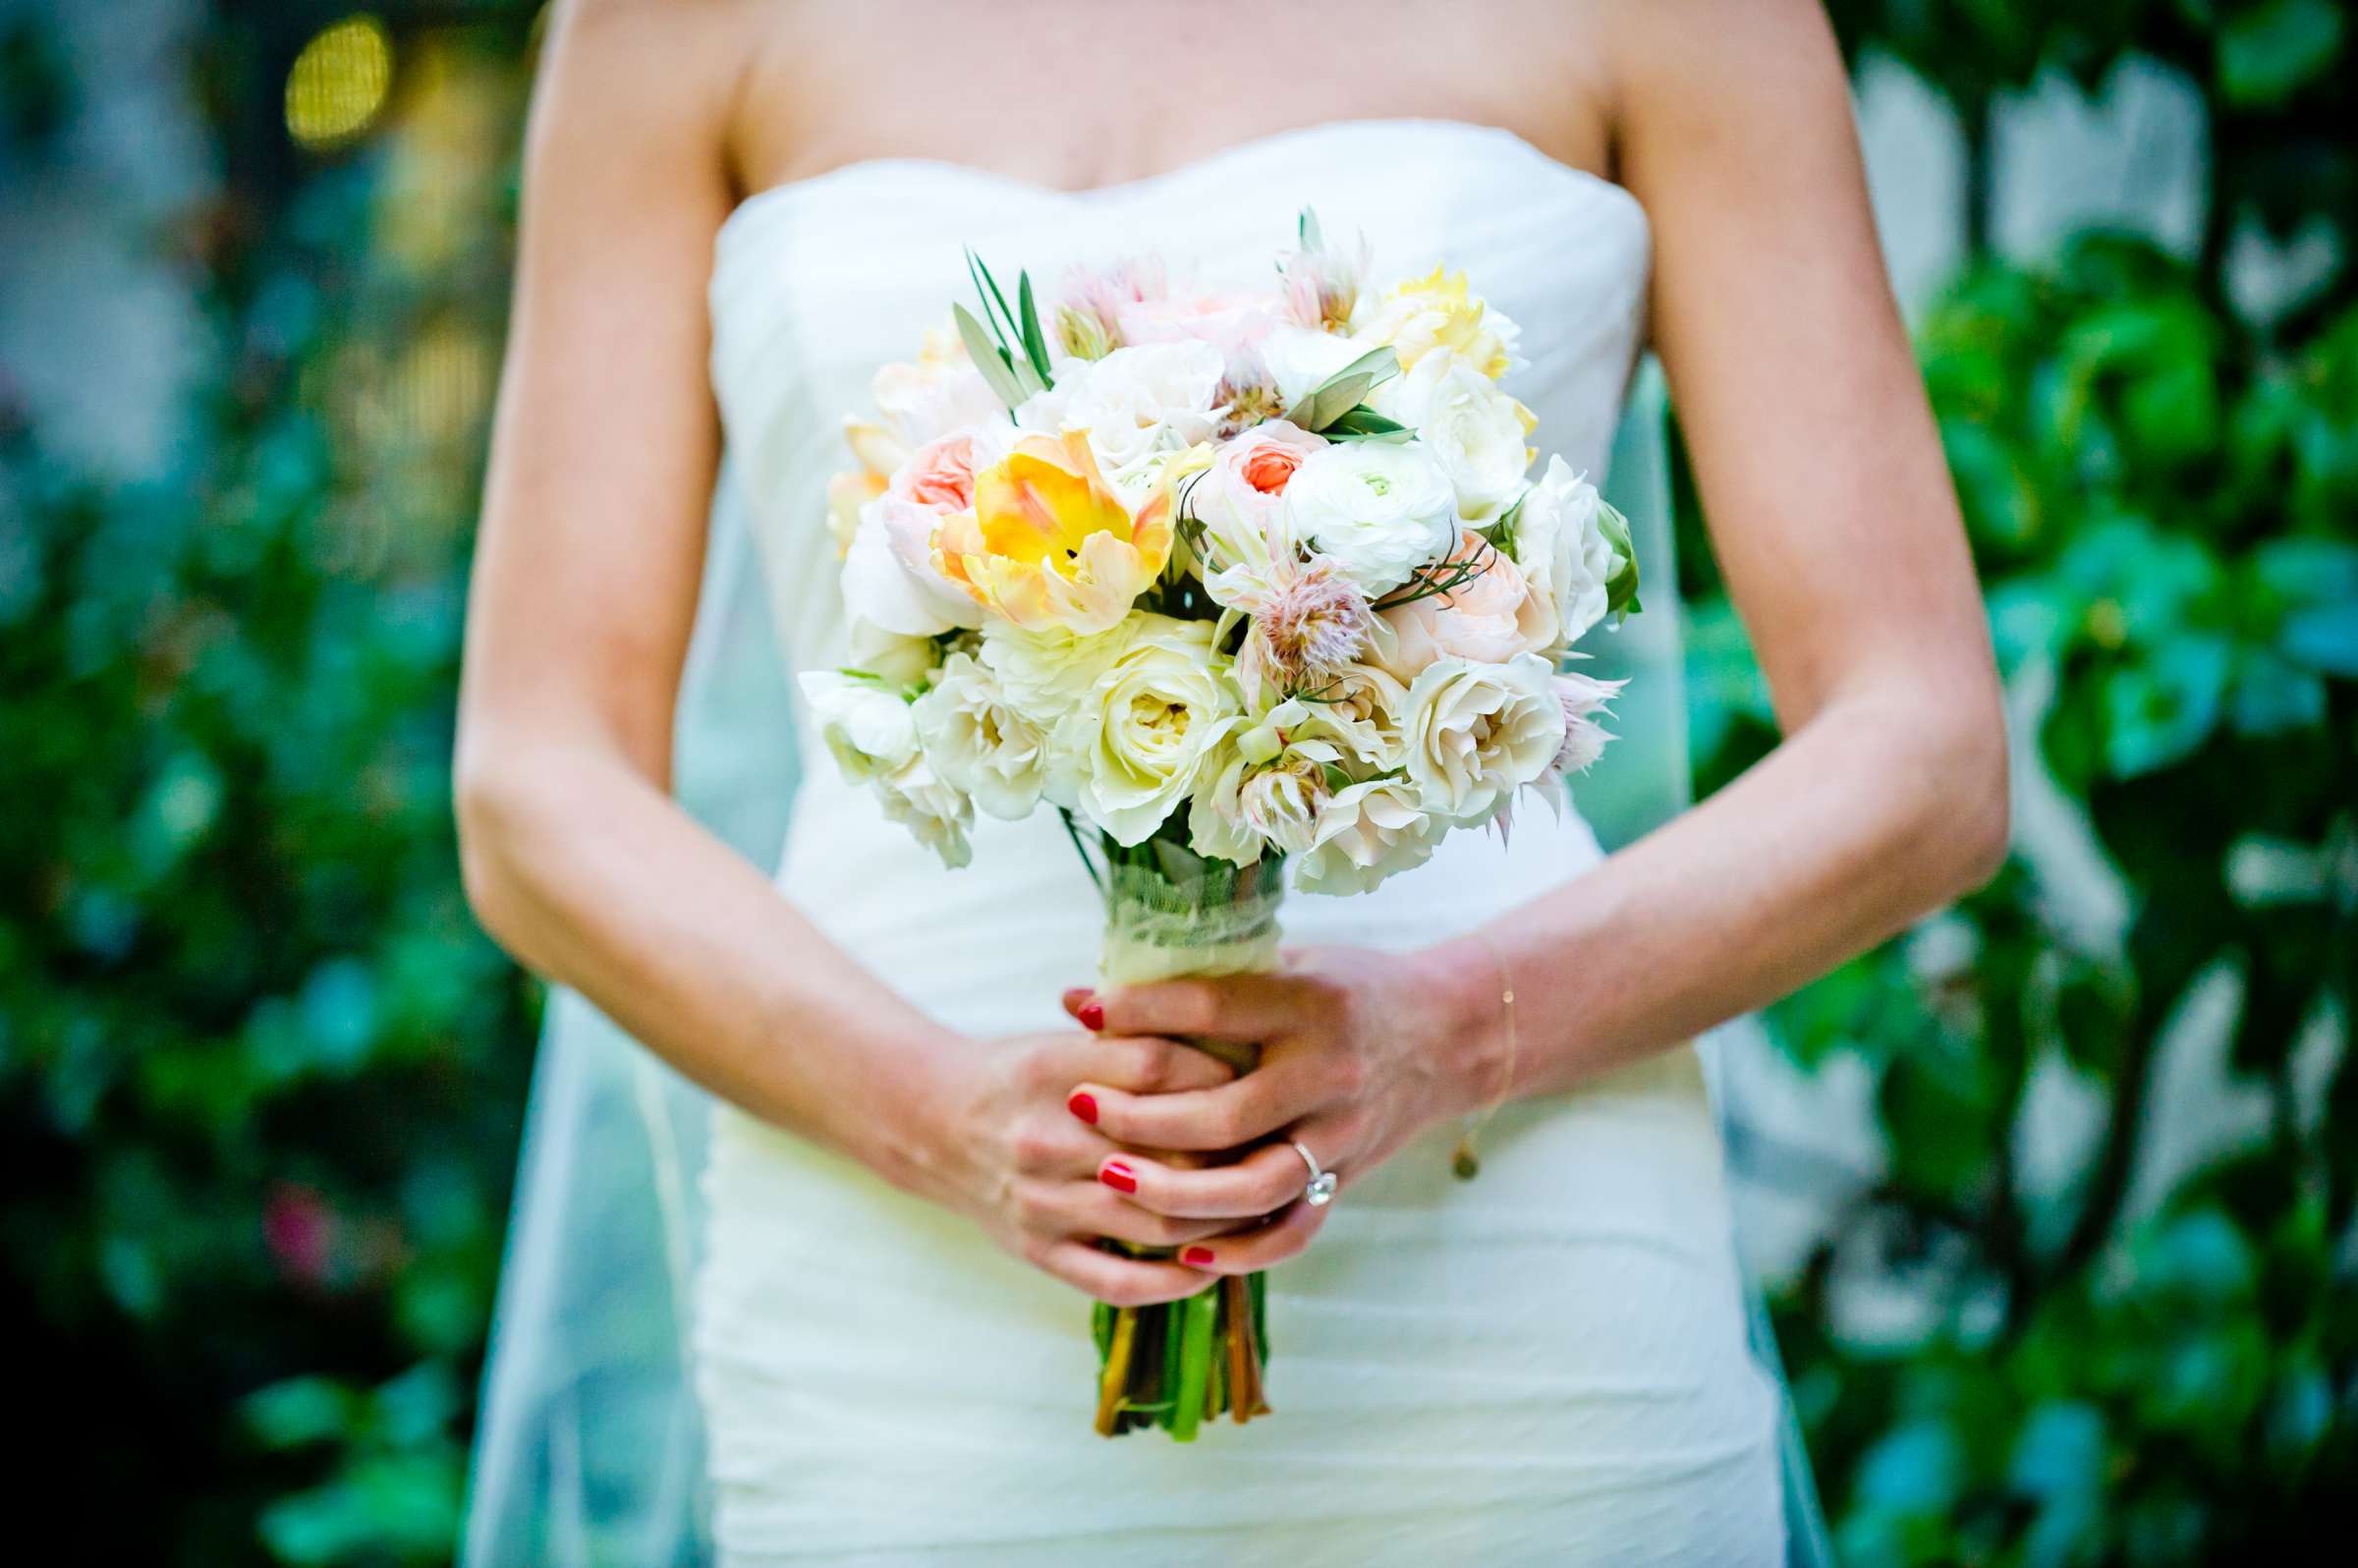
{"x":1561,"y":547}
{"x":931,"y":808}
{"x":1142,"y":737}
{"x":1045,"y":675}
{"x":1471,"y":429}
{"x":1299,"y":357}
{"x":864,"y":723}
{"x":888,"y":575}
{"x":1380,"y":509}
{"x":1138,"y":405}
{"x":977,"y":743}
{"x":1475,"y":733}
{"x":1367,"y":832}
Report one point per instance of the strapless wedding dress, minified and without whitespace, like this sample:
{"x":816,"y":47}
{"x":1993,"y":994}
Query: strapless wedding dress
{"x":1546,"y":1364}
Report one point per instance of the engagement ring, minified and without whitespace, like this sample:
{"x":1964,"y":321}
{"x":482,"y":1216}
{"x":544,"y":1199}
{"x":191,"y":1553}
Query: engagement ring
{"x":1321,"y":1191}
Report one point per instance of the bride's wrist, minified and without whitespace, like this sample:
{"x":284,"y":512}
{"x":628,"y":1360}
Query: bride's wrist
{"x":1475,"y":1040}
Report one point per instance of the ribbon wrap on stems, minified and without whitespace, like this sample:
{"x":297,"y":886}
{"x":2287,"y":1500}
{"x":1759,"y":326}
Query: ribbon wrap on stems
{"x":1171,"y":914}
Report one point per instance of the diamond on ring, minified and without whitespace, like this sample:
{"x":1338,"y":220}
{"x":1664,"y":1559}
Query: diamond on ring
{"x":1321,"y":1191}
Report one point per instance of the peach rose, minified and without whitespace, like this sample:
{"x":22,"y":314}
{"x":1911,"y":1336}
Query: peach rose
{"x":1489,"y":620}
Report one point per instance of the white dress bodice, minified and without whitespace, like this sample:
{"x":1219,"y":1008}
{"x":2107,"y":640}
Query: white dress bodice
{"x":1546,"y":1364}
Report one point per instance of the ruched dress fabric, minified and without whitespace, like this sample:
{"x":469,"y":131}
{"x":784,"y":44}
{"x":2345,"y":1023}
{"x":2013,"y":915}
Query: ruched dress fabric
{"x":1546,"y":1364}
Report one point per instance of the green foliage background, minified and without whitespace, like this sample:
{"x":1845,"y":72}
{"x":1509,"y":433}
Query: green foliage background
{"x":260,"y":1079}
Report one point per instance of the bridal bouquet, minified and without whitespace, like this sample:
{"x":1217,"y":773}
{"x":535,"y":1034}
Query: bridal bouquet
{"x":1228,"y":580}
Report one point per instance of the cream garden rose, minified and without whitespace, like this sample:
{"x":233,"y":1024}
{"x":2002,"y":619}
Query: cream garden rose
{"x":1141,"y":736}
{"x":979,"y":742}
{"x":1475,"y":733}
{"x":934,"y":811}
{"x":1367,"y":832}
{"x":1045,"y":674}
{"x":1379,"y":509}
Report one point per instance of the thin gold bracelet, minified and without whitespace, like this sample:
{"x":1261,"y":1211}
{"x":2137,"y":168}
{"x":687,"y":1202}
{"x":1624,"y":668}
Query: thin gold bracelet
{"x":1465,"y":1164}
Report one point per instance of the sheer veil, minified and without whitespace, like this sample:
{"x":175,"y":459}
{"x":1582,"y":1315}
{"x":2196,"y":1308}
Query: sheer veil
{"x":588,"y":1450}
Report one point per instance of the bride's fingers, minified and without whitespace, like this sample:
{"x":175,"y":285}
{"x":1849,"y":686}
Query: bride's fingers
{"x":1143,"y":1064}
{"x":1103,"y":1212}
{"x":1265,"y":1248}
{"x":1121,"y":1281}
{"x":1229,"y":1115}
{"x":1262,"y":1183}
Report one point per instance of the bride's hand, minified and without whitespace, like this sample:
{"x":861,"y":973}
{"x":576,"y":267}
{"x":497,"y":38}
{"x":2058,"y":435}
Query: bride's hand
{"x":1010,"y":1150}
{"x":1361,"y":1050}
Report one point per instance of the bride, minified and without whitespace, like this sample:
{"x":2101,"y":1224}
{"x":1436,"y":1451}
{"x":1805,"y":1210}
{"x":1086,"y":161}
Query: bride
{"x":737,"y":210}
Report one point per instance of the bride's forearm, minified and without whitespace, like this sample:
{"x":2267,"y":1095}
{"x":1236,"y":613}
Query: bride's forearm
{"x":1866,"y":818}
{"x":591,"y":876}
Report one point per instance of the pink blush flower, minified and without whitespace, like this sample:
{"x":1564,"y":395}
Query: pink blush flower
{"x":940,"y":476}
{"x":1312,"y":622}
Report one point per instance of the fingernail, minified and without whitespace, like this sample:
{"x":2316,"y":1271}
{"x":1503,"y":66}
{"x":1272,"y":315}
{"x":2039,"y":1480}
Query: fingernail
{"x":1084,"y":1106}
{"x":1118,"y":1176}
{"x":1092,"y":1015}
{"x":1196,"y":1256}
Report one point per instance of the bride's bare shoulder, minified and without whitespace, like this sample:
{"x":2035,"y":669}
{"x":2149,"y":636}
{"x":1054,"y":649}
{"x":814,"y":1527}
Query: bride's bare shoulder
{"x":664,"y":74}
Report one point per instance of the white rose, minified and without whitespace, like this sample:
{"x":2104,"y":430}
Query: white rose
{"x":1380,"y":509}
{"x":937,"y":814}
{"x":862,"y":722}
{"x":1047,"y":674}
{"x":1477,"y":731}
{"x":1139,"y":406}
{"x":888,"y":575}
{"x":1367,"y":832}
{"x":1561,"y":547}
{"x":1142,"y":736}
{"x":977,"y":743}
{"x":1471,"y":429}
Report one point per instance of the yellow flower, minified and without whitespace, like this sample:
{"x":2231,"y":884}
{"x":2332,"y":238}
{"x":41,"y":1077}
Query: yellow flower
{"x":1439,"y":311}
{"x":1050,"y":544}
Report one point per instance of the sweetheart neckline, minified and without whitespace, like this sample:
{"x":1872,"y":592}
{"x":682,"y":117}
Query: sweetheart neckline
{"x":1194,"y":168}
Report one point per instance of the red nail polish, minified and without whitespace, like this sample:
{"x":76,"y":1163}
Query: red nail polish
{"x":1118,"y":1176}
{"x":1093,"y":1015}
{"x":1084,"y":1106}
{"x":1197,"y":1256}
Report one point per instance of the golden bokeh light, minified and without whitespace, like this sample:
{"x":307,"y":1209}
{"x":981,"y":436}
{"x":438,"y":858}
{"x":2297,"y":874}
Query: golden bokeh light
{"x":338,"y":84}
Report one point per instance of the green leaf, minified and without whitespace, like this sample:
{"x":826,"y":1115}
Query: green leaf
{"x":1363,"y":423}
{"x":990,"y":359}
{"x":1620,"y":594}
{"x":1344,"y":390}
{"x":1036,"y":342}
{"x":1307,"y":227}
{"x":2269,"y":52}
